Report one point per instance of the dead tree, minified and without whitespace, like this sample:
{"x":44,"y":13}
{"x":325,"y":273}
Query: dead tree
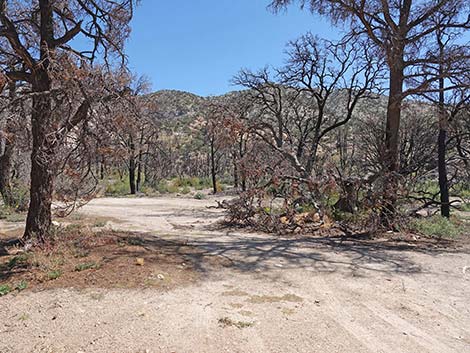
{"x":38,"y":37}
{"x":398,"y":30}
{"x":316,"y":93}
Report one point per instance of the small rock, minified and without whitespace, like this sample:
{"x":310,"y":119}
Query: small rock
{"x":160,"y":277}
{"x":139,"y":261}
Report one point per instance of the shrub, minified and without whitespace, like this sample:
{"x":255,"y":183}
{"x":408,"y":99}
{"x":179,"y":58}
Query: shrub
{"x":20,"y":194}
{"x":199,"y":196}
{"x":86,"y":266}
{"x":172,"y":189}
{"x":52,"y":275}
{"x":21,"y":286}
{"x":117,"y":188}
{"x":148,"y":190}
{"x":4,"y":289}
{"x":436,"y":226}
{"x":162,"y":187}
{"x":219,"y":186}
{"x":465,"y":207}
{"x":18,"y":261}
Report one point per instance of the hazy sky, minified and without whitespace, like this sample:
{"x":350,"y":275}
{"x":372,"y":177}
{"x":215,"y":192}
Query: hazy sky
{"x":198,"y":45}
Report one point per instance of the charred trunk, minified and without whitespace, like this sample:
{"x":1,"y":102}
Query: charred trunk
{"x":139,"y":172}
{"x":39,"y":219}
{"x":132,"y":183}
{"x":6,"y":162}
{"x":442,"y":169}
{"x":392,"y":129}
{"x":7,"y":148}
{"x":132,"y":167}
{"x":213,"y":168}
{"x":235,"y":171}
{"x":442,"y":138}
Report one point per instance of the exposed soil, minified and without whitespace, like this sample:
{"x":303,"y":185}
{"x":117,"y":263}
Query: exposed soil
{"x":245,"y":292}
{"x":84,"y":259}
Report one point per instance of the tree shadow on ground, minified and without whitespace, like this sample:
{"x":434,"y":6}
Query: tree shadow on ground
{"x":263,"y":254}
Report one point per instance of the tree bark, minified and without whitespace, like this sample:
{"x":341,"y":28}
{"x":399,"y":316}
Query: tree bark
{"x":392,"y":130}
{"x":39,"y":219}
{"x":132,"y":183}
{"x":102,"y":168}
{"x":6,"y":162}
{"x":132,"y":167}
{"x":442,"y":170}
{"x":6,"y":158}
{"x":242,"y":148}
{"x":213,"y":167}
{"x":235,"y":171}
{"x":442,"y":138}
{"x":139,"y":172}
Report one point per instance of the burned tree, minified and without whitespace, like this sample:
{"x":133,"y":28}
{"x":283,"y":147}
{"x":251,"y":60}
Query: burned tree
{"x":398,"y":30}
{"x":37,"y":40}
{"x":317,"y":92}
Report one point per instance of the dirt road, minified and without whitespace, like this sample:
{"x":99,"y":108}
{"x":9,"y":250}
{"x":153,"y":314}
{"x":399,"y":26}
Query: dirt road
{"x":275,"y":295}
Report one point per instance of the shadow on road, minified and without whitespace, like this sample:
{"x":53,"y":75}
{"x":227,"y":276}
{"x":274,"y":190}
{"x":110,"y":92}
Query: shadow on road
{"x":262,"y":254}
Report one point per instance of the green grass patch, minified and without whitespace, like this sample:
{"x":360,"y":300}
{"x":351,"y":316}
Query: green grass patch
{"x":18,"y":261}
{"x":87,"y":266}
{"x":4,"y":289}
{"x":21,"y":286}
{"x":118,"y":187}
{"x":436,"y":226}
{"x":199,"y":196}
{"x":54,"y":274}
{"x":465,"y":207}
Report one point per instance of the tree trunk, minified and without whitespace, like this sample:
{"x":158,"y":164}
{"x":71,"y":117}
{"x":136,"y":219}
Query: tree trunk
{"x":39,"y":219}
{"x":442,"y":169}
{"x":102,"y":168}
{"x":139,"y":172}
{"x":235,"y":171}
{"x":6,"y":161}
{"x":132,"y":176}
{"x":6,"y":157}
{"x":242,"y":149}
{"x":213,"y":168}
{"x":132,"y":166}
{"x":442,"y":138}
{"x":392,"y":131}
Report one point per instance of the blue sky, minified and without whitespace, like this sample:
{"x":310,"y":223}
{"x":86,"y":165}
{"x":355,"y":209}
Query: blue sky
{"x":198,"y":45}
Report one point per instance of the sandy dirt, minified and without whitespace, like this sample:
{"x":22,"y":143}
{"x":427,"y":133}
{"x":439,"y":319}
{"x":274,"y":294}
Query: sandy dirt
{"x":270,"y":294}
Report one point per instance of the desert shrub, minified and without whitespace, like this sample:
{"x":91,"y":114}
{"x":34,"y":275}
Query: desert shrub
{"x":20,"y":195}
{"x":11,"y":214}
{"x":220,"y":187}
{"x":4,"y":289}
{"x":199,"y":196}
{"x":148,"y":190}
{"x":169,"y":187}
{"x":118,"y":187}
{"x":162,"y":187}
{"x":435,"y":226}
{"x":172,"y":189}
